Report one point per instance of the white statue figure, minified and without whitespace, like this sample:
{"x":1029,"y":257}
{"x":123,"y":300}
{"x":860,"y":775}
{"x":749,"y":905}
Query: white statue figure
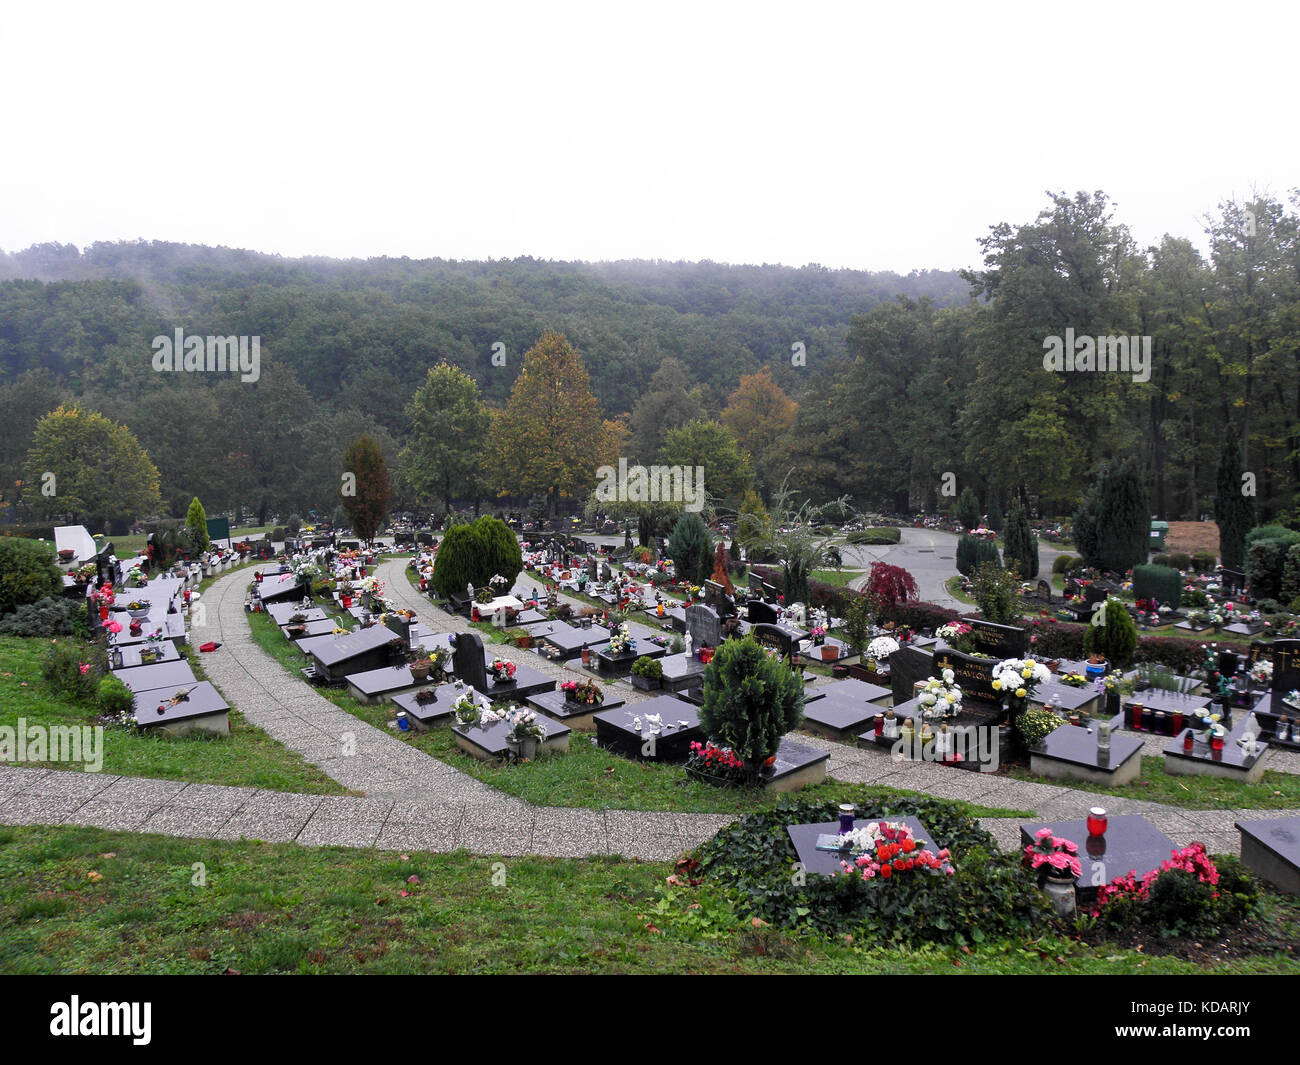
{"x":469,"y":588}
{"x":690,"y":649}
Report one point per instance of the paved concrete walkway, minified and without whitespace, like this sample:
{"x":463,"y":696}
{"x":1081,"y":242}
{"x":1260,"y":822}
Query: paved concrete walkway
{"x":414,"y":801}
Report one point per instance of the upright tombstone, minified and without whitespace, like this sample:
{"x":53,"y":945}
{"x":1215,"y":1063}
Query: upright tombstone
{"x":907,"y":665}
{"x":973,"y":675}
{"x":1233,"y":582}
{"x":1000,"y":641}
{"x":703,"y":626}
{"x":1286,"y":666}
{"x":762,"y":613}
{"x":1043,"y":590}
{"x":715,"y":595}
{"x":606,"y":574}
{"x":592,"y":570}
{"x":468,"y":661}
{"x":777,"y":638}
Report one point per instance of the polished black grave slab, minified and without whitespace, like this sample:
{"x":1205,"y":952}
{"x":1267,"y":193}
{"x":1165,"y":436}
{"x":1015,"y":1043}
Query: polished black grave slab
{"x":164,"y":651}
{"x":1071,"y":753}
{"x":554,"y":705}
{"x":1132,"y":844}
{"x":173,"y":674}
{"x":615,"y":731}
{"x":153,"y":707}
{"x":490,"y":742}
{"x":444,"y":697}
{"x":844,"y":707}
{"x":1271,"y":848}
{"x":828,"y":863}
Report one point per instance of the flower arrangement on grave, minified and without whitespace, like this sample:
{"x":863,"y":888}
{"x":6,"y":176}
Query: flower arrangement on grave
{"x":1117,"y":684}
{"x":85,"y":572}
{"x":1217,"y":618}
{"x":524,"y":725}
{"x":622,"y":642}
{"x":502,"y":670}
{"x":940,"y":697}
{"x":956,"y":634}
{"x":715,"y":765}
{"x":1190,"y":859}
{"x":888,"y":849}
{"x":1036,"y":724}
{"x":1262,"y":672}
{"x":1051,"y":855}
{"x":425,"y":696}
{"x":587,"y":692}
{"x":881,"y":648}
{"x":819,"y":634}
{"x":467,"y":711}
{"x":1017,"y":679}
{"x":484,"y":596}
{"x":1073,"y":680}
{"x":136,"y":578}
{"x":1292,"y":699}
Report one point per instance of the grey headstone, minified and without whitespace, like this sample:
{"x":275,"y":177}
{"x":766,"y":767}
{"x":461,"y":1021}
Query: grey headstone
{"x":1044,"y":591}
{"x":704,"y":626}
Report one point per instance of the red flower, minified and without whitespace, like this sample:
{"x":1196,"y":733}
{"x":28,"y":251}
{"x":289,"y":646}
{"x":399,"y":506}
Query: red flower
{"x":885,"y":871}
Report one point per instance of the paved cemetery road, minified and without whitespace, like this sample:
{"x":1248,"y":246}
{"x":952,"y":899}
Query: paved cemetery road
{"x":929,"y":555}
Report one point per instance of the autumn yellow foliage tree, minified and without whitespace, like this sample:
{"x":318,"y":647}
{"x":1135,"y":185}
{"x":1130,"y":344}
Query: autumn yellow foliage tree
{"x":551,"y":438}
{"x":760,"y":415}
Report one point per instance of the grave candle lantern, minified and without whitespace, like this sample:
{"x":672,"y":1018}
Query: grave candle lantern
{"x":1097,"y":821}
{"x":1188,"y":740}
{"x":1135,"y":716}
{"x":846,"y":817}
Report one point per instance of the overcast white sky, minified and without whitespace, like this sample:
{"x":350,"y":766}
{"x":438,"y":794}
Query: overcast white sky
{"x":863,"y":135}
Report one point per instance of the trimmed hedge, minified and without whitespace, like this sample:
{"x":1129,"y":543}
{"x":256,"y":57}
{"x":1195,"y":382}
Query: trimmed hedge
{"x":1162,"y":583}
{"x":875,"y":537}
{"x":1065,"y":563}
{"x":989,"y":897}
{"x":917,"y":615}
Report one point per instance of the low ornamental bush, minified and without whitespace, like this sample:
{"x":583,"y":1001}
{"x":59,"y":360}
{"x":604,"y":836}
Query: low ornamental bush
{"x":874,"y":537}
{"x":48,"y":617}
{"x":1187,"y":896}
{"x":114,"y":698}
{"x":988,"y":897}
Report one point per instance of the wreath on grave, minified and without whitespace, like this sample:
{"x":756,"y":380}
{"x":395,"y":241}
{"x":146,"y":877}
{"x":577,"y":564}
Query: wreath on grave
{"x":586,"y":692}
{"x":502,"y":670}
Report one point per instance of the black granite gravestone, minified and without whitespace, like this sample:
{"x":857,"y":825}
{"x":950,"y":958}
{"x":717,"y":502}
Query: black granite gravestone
{"x":468,"y":661}
{"x":907,"y":665}
{"x":1286,"y":666}
{"x":606,"y":574}
{"x":1001,"y":641}
{"x":1232,"y":581}
{"x":974,"y":675}
{"x":593,"y":570}
{"x":704,"y":626}
{"x":761,"y":613}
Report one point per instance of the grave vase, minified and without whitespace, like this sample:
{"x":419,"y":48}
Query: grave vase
{"x":1059,"y":888}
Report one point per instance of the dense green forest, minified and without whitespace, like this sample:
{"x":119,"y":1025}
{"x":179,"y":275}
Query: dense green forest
{"x":907,"y":377}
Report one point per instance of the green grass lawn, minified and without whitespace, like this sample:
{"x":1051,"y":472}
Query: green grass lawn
{"x":83,"y":900}
{"x":838,"y":577}
{"x":248,"y":756}
{"x":585,"y":776}
{"x":953,"y":586}
{"x":1274,"y":791}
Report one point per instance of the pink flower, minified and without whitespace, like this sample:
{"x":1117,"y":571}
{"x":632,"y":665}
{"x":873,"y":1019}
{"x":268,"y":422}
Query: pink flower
{"x":1042,"y":833}
{"x":85,"y":668}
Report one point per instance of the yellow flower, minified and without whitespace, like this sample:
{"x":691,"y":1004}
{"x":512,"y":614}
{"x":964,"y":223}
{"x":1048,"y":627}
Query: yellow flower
{"x":1020,"y":693}
{"x":997,"y":685}
{"x":1027,"y":672}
